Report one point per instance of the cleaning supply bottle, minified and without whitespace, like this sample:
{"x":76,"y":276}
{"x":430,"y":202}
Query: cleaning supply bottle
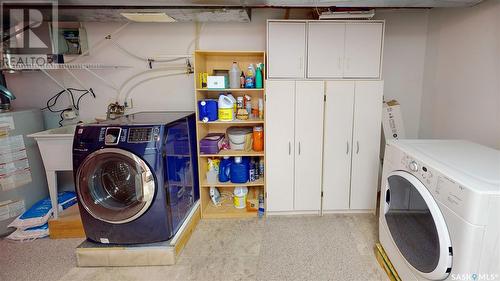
{"x":226,"y":108}
{"x":225,"y":169}
{"x":239,"y":170}
{"x":261,"y":109}
{"x":258,"y":77}
{"x":234,"y":76}
{"x":242,"y":80}
{"x":250,"y":78}
{"x":261,"y":205}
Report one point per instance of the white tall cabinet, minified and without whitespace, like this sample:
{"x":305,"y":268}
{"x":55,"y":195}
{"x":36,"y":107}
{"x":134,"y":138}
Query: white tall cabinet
{"x":323,"y":115}
{"x":353,"y":113}
{"x":294,"y":140}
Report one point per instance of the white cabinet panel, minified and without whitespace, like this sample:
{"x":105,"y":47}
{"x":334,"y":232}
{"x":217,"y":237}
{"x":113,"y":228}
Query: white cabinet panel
{"x":309,"y":103}
{"x":325,"y":50}
{"x":366,"y":144}
{"x":363,"y":46}
{"x":279,"y":144}
{"x":286,"y":43}
{"x":339,"y":109}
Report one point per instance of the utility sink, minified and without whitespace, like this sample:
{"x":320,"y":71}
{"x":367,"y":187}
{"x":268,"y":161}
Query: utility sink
{"x":56,"y":149}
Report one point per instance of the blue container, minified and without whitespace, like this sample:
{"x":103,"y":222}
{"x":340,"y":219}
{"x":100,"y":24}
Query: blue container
{"x":207,"y":110}
{"x":224,"y":169}
{"x":239,"y":170}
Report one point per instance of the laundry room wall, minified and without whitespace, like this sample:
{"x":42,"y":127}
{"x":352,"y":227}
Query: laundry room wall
{"x":404,"y":51}
{"x":462,"y":75}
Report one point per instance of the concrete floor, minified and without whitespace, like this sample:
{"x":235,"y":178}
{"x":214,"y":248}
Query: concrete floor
{"x":333,"y":247}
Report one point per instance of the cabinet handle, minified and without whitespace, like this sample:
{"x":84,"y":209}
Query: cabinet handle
{"x":347,"y":150}
{"x":357,"y":147}
{"x":299,"y":147}
{"x":289,"y":148}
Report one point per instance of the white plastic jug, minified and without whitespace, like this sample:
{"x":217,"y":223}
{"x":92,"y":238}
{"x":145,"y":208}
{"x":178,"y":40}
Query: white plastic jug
{"x":234,"y":76}
{"x":226,"y":108}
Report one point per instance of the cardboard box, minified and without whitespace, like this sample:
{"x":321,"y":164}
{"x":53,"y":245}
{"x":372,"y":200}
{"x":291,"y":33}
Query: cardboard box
{"x":392,"y":121}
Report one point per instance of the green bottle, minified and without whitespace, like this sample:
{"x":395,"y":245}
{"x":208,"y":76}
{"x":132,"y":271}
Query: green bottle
{"x":258,"y":77}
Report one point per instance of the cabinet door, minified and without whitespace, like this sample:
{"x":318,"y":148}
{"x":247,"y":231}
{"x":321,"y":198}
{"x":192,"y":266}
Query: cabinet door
{"x":339,"y":109}
{"x":363,"y":49}
{"x":309,"y":104}
{"x":286,"y":49}
{"x":366,"y":140}
{"x":325,"y":50}
{"x":279,"y":140}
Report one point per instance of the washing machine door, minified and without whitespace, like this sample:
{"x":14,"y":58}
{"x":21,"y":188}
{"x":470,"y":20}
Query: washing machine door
{"x":115,"y":185}
{"x":417,"y":226}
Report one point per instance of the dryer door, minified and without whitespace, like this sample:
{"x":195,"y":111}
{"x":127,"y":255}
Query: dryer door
{"x":417,"y":226}
{"x":115,"y":185}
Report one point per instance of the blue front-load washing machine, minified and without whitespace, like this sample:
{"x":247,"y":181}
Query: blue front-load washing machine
{"x":136,"y":176}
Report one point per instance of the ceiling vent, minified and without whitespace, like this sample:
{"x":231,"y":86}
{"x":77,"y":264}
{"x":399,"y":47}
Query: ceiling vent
{"x":148,"y":17}
{"x":347,"y":15}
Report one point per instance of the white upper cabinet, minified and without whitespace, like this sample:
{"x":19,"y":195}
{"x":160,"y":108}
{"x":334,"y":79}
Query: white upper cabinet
{"x":324,"y":49}
{"x":325,"y":52}
{"x":286,"y":49}
{"x":363,"y":49}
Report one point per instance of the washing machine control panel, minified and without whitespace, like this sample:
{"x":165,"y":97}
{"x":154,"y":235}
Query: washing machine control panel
{"x":112,"y":136}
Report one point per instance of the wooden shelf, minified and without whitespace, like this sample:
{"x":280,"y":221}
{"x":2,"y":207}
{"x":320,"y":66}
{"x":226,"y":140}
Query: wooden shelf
{"x":206,"y":62}
{"x":232,"y":153}
{"x":213,"y":212}
{"x":259,"y":182}
{"x":234,"y":122}
{"x":231,"y":90}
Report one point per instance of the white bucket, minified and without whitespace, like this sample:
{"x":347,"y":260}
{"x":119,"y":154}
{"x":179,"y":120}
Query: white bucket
{"x":240,"y":197}
{"x":240,"y":138}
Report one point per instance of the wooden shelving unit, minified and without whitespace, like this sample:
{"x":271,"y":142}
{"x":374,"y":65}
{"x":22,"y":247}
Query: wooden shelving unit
{"x":207,"y":61}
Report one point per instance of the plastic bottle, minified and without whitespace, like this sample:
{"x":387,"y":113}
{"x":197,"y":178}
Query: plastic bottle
{"x":261,"y":205}
{"x":258,"y":77}
{"x":261,"y":109}
{"x":239,"y":170}
{"x":242,"y":80}
{"x":225,"y":169}
{"x":261,"y":168}
{"x":252,"y":171}
{"x":234,"y":76}
{"x":258,"y":138}
{"x":250,"y":78}
{"x":226,"y":108}
{"x":256,"y":167}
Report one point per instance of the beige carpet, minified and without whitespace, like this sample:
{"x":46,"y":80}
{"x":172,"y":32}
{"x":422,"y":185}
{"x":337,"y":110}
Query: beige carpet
{"x":333,"y":247}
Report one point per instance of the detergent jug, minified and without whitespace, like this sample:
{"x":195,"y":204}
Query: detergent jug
{"x":224,"y":169}
{"x":226,"y":108}
{"x":239,"y":170}
{"x":207,"y":110}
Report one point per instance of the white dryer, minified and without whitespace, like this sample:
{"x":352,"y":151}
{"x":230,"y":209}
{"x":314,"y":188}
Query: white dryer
{"x":440,"y":210}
